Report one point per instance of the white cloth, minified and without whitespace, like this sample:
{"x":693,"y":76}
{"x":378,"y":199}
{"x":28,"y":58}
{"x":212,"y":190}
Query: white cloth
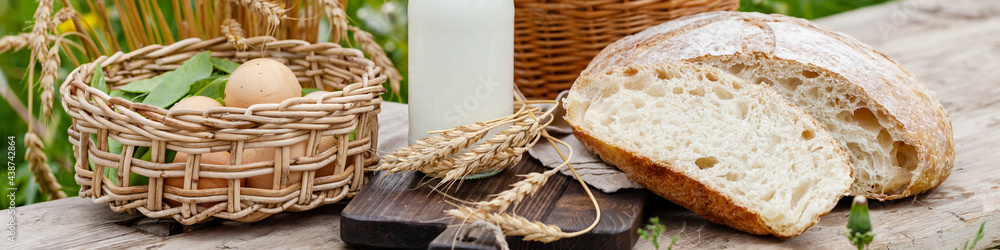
{"x":394,"y":129}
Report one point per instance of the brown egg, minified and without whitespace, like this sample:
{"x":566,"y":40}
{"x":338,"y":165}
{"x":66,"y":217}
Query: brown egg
{"x":261,"y":80}
{"x":326,"y":143}
{"x":196,"y":102}
{"x":217,"y":158}
{"x":267,"y":154}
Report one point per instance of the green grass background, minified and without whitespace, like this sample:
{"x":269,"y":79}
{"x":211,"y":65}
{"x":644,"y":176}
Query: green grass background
{"x":386,"y":19}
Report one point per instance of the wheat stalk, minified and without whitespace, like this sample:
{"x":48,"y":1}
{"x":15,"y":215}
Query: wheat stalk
{"x":435,"y":155}
{"x":519,"y":226}
{"x":338,"y":19}
{"x":427,"y":151}
{"x":521,"y":189}
{"x":35,"y":154}
{"x":271,"y":11}
{"x":234,"y":33}
{"x":39,"y":32}
{"x":512,"y":225}
{"x":15,"y":42}
{"x":50,"y":67}
{"x":63,"y":15}
{"x":504,"y":149}
{"x":371,"y":47}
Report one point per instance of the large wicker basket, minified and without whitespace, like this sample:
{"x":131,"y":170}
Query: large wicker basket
{"x":554,"y":40}
{"x":347,"y":114}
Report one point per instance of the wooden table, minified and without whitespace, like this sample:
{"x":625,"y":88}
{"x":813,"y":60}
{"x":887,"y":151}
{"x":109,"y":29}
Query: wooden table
{"x":954,"y":46}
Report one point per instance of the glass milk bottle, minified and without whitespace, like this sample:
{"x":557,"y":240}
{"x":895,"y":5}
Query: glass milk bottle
{"x":461,"y":63}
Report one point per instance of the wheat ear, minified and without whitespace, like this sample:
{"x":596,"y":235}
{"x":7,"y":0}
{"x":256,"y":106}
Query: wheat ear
{"x":50,"y":69}
{"x":371,"y":47}
{"x":338,"y":19}
{"x":519,"y":226}
{"x":427,"y":151}
{"x":234,"y":33}
{"x":272,"y":12}
{"x":504,"y":149}
{"x":512,"y":225}
{"x":37,"y":162}
{"x":43,"y":23}
{"x":35,"y":154}
{"x":15,"y":42}
{"x":521,"y":189}
{"x":63,"y":15}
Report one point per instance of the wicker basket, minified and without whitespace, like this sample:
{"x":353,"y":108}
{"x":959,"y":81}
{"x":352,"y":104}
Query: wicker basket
{"x":351,"y":107}
{"x":554,"y":40}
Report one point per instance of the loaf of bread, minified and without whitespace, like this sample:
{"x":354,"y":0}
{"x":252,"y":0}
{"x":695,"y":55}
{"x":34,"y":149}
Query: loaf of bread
{"x":734,"y":152}
{"x":898,"y":136}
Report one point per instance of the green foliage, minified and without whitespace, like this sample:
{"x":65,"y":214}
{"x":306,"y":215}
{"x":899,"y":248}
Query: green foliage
{"x":306,"y":91}
{"x":652,"y":232}
{"x":199,"y":76}
{"x":975,"y":239}
{"x":387,"y":21}
{"x":859,"y":224}
{"x":215,"y":88}
{"x":178,"y":82}
{"x":673,"y":241}
{"x":97,"y":81}
{"x":224,"y":65}
{"x":808,"y":9}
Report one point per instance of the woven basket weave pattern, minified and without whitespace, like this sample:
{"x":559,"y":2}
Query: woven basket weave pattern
{"x":556,"y":39}
{"x":348,"y":111}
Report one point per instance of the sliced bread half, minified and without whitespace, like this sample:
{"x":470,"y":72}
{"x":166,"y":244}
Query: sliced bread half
{"x":898,"y":136}
{"x":734,"y":152}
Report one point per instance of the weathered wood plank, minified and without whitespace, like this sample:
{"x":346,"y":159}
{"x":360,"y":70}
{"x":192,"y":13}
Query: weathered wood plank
{"x":954,"y":47}
{"x":76,"y":223}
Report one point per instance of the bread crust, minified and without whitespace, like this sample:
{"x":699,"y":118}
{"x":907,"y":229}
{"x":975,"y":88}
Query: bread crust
{"x":904,"y":105}
{"x":662,"y":180}
{"x":671,"y":183}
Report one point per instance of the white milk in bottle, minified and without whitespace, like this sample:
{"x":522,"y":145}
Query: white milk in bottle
{"x":461,"y":63}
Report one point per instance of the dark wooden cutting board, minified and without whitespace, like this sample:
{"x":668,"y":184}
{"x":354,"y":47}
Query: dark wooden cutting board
{"x":402,"y":211}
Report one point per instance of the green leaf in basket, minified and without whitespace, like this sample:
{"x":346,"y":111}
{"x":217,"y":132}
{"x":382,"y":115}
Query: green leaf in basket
{"x":133,"y":178}
{"x":167,"y":94}
{"x":137,"y":180}
{"x":140,"y":152}
{"x":97,"y":81}
{"x":114,"y":146}
{"x":224,"y":65}
{"x":146,"y":85}
{"x":177,"y":84}
{"x":200,"y":84}
{"x":306,"y":91}
{"x":215,"y":89}
{"x":126,"y":95}
{"x":194,"y":69}
{"x":143,"y":153}
{"x":138,"y":98}
{"x":170,"y":156}
{"x":221,"y":101}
